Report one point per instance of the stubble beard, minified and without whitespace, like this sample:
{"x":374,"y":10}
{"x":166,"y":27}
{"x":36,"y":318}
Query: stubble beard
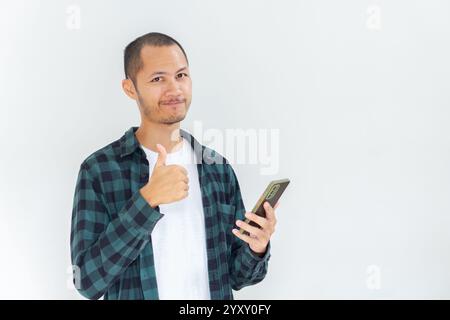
{"x":172,"y":119}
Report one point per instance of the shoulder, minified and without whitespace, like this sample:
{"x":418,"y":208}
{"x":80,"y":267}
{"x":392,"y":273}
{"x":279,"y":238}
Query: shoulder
{"x":103,"y":159}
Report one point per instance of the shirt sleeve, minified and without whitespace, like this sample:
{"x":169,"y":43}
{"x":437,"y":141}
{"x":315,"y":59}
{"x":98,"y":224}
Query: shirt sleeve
{"x":247,"y":268}
{"x":102,"y":249}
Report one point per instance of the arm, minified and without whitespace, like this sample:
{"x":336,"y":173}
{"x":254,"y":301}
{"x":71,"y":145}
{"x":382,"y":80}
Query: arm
{"x":102,"y":249}
{"x":246,"y":267}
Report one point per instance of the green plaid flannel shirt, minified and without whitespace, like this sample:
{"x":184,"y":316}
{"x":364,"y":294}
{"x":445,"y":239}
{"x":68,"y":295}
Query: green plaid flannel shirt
{"x":111,"y":244}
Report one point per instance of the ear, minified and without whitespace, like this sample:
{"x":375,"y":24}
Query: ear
{"x":129,"y":89}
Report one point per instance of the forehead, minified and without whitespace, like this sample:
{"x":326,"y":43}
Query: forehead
{"x":166,"y":58}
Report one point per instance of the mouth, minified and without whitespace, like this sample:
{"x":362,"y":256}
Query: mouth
{"x":173,"y":103}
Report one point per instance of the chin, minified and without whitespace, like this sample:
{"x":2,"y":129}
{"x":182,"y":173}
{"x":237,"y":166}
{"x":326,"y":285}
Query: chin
{"x":173,"y":120}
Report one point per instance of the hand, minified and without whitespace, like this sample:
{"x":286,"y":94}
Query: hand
{"x":168,"y":183}
{"x":259,"y":237}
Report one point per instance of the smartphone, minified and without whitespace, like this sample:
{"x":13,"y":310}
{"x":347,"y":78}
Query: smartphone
{"x":272,"y":193}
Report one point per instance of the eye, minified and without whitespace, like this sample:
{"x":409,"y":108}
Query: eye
{"x":156,"y":79}
{"x":181,"y":74}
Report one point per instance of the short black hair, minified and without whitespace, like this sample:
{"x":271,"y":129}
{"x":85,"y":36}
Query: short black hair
{"x":132,"y":55}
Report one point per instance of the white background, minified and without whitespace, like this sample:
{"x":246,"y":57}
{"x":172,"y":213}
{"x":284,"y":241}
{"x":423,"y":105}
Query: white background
{"x":359,"y":90}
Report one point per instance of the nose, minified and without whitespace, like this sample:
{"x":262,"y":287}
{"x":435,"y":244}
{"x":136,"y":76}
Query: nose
{"x":173,"y":88}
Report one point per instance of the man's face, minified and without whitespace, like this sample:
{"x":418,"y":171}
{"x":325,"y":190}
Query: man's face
{"x":163,"y":85}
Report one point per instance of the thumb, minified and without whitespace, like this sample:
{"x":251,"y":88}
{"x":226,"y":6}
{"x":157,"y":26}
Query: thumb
{"x":162,"y":154}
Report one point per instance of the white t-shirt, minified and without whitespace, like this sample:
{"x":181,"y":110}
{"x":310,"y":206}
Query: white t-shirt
{"x":178,"y":239}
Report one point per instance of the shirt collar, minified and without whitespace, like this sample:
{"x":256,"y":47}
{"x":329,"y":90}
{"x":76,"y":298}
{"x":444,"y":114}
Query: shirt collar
{"x":129,"y":143}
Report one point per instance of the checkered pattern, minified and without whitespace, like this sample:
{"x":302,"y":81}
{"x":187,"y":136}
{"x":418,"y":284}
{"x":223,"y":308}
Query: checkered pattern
{"x":111,"y":245}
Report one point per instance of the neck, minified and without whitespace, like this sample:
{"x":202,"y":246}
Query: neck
{"x":149,"y":134}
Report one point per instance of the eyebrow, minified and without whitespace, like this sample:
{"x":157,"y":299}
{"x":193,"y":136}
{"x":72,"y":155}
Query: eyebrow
{"x":163,"y":72}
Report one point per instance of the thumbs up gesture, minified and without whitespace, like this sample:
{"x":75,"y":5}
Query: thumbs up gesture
{"x":168,"y":183}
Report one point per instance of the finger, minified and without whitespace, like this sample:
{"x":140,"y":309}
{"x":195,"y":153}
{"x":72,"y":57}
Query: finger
{"x":182,"y":195}
{"x":182,"y":169}
{"x":162,"y":155}
{"x":177,"y":169}
{"x":184,"y":177}
{"x":276,"y":205}
{"x":257,"y":219}
{"x":250,"y":229}
{"x":270,"y":213}
{"x":244,"y":237}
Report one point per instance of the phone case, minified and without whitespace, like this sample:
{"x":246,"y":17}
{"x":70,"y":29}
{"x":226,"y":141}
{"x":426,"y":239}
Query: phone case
{"x":272,"y":194}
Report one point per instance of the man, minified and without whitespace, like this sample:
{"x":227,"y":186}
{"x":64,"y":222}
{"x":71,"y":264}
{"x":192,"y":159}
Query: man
{"x":147,"y":221}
